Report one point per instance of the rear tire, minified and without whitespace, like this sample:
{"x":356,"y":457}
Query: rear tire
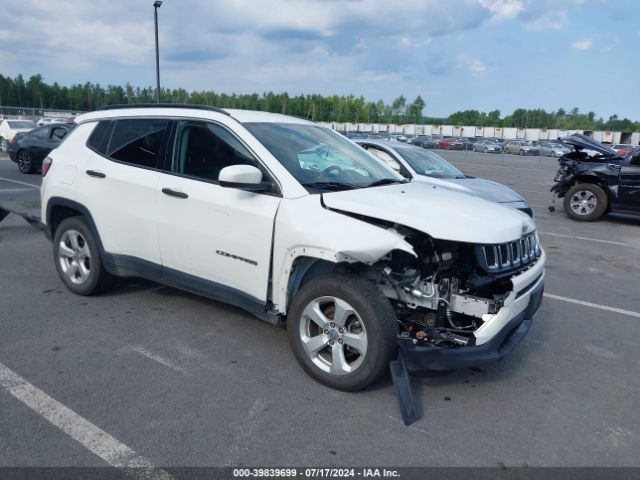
{"x":25,"y":162}
{"x":77,"y":258}
{"x":585,"y":202}
{"x":347,"y":351}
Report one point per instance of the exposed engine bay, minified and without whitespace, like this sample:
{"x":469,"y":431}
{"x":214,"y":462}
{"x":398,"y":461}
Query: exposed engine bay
{"x":441,"y":297}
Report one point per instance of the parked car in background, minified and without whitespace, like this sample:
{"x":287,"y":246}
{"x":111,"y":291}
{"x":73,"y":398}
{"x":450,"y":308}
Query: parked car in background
{"x":622,"y":148}
{"x":521,"y":147}
{"x":468,"y":142}
{"x":450,"y":143}
{"x":426,"y":141}
{"x":29,"y":149}
{"x":553,"y":149}
{"x":50,"y":120}
{"x":416,"y":164}
{"x":487,"y":146}
{"x":399,"y":137}
{"x":9,"y":128}
{"x":595,"y":185}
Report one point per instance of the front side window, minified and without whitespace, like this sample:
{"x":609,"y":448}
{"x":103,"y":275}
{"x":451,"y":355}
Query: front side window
{"x":203,"y":149}
{"x":320,"y":158}
{"x":428,"y":163}
{"x":137,"y":141}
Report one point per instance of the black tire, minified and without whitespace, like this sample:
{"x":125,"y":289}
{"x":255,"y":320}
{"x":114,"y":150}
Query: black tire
{"x":98,"y":278}
{"x":376,"y":314}
{"x":521,"y":153}
{"x":25,"y":162}
{"x":601,"y":202}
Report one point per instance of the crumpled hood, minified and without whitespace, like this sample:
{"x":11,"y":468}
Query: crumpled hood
{"x":440,"y":212}
{"x":582,"y":141}
{"x":492,"y":191}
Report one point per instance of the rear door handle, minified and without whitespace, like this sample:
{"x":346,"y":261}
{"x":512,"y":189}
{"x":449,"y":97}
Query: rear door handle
{"x":93,"y":173}
{"x":174,"y":193}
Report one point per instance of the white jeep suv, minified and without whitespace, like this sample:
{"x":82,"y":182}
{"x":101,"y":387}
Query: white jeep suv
{"x":296,"y":224}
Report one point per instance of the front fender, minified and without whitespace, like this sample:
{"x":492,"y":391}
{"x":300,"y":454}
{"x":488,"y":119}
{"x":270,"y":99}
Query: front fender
{"x":304,"y":228}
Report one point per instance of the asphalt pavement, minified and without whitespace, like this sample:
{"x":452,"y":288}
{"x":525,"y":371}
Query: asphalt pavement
{"x":185,"y":381}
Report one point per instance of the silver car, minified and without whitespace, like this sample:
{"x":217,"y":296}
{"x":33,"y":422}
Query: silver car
{"x":420,"y":165}
{"x":553,"y":149}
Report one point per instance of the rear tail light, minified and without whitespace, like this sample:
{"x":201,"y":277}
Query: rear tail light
{"x":46,"y":165}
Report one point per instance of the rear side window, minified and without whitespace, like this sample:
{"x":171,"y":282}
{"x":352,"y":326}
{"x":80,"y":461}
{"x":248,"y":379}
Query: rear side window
{"x":99,"y":138}
{"x":137,"y":141}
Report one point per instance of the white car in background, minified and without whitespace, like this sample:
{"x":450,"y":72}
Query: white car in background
{"x":9,"y":128}
{"x":49,"y":120}
{"x":296,"y":224}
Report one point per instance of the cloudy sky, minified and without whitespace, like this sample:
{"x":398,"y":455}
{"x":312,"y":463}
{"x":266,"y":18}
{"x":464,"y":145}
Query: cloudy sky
{"x":457,"y":54}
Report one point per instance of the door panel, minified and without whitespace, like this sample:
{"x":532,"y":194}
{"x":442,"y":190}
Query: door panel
{"x":119,"y":186}
{"x":629,"y":187}
{"x":218,"y":234}
{"x":123,"y":206}
{"x":221,"y":235}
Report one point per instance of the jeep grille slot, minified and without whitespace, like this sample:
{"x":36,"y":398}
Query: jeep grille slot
{"x":509,"y":256}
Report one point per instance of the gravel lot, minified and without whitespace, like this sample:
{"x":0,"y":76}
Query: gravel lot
{"x":184,"y":381}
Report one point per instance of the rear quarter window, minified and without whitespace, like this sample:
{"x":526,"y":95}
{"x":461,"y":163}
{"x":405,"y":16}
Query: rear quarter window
{"x":99,"y":138}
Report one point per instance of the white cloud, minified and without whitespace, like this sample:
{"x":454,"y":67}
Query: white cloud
{"x":584,"y":44}
{"x":502,"y":10}
{"x":474,"y":66}
{"x":554,"y":20}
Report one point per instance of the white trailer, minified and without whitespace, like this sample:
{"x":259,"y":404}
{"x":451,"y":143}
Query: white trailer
{"x":510,"y":133}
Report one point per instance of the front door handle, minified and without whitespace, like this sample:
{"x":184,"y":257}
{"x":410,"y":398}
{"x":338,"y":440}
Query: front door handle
{"x":174,"y":193}
{"x":93,"y":173}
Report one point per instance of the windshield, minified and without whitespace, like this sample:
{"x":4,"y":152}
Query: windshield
{"x":320,"y":158}
{"x":428,"y":163}
{"x":21,"y":124}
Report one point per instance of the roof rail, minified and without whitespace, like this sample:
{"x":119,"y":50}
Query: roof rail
{"x":166,"y":105}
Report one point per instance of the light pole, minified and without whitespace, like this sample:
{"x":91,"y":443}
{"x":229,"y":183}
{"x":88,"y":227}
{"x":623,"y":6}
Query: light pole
{"x":156,"y":5}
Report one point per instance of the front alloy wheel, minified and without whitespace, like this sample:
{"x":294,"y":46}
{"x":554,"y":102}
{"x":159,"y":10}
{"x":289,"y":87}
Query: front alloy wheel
{"x":4,"y":145}
{"x":333,"y":335}
{"x":585,"y":202}
{"x":342,"y":331}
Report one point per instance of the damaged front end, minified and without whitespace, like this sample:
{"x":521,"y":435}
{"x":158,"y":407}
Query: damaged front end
{"x":459,"y":305}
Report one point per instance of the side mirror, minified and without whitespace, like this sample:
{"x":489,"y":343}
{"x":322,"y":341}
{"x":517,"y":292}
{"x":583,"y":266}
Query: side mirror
{"x":243,"y":177}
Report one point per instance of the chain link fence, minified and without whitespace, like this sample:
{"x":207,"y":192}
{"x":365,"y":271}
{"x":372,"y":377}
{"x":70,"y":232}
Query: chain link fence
{"x":25,"y":113}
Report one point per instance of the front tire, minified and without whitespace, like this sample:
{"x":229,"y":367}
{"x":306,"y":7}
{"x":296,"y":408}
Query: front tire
{"x":342,"y":331}
{"x":77,"y":258}
{"x":25,"y":162}
{"x":585,"y":202}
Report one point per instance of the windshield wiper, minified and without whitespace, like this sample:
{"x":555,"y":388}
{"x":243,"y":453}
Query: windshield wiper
{"x":385,"y":181}
{"x":330,"y":185}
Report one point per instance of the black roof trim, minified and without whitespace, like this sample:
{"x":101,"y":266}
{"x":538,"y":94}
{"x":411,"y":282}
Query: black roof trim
{"x":166,"y":105}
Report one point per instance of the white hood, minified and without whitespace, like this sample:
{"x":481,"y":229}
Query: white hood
{"x":440,"y":212}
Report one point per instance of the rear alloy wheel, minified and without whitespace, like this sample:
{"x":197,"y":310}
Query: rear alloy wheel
{"x":77,"y":258}
{"x":585,"y":202}
{"x":342,"y":331}
{"x":25,"y":165}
